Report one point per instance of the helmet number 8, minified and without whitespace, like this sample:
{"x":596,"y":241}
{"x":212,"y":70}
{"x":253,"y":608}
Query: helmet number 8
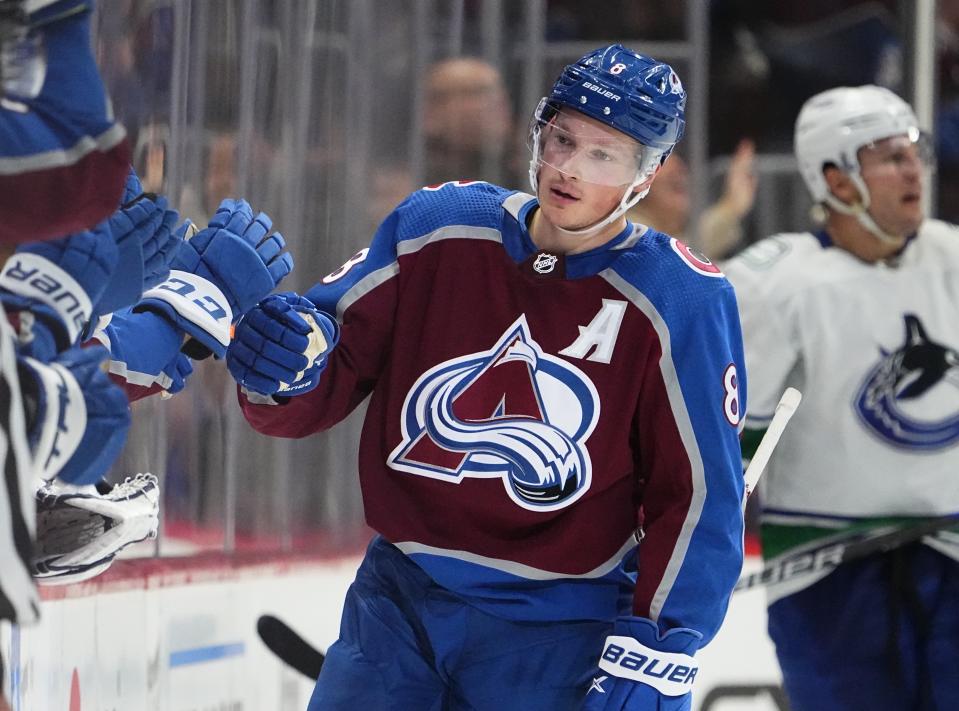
{"x":617,"y":68}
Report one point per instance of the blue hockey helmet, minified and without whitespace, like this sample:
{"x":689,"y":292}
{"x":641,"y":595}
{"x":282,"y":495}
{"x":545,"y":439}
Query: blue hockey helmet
{"x":634,"y":94}
{"x":638,"y":96}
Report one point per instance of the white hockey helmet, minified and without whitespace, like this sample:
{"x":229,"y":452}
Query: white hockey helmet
{"x":831,"y":128}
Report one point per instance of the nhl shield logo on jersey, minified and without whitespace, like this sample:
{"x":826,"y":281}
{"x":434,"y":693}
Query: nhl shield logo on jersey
{"x":901,"y":399}
{"x":513,"y":413}
{"x":545,"y":263}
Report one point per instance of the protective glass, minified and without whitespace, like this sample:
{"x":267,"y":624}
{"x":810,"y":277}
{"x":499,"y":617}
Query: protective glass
{"x":575,"y":147}
{"x":912,"y":149}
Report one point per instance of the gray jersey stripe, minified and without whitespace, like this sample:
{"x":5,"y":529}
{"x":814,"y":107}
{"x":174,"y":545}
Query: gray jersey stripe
{"x":518,"y":569}
{"x":64,"y":157}
{"x":686,"y":433}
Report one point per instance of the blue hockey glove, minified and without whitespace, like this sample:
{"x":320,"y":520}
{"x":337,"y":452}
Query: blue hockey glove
{"x":55,"y":284}
{"x":639,"y":671}
{"x":77,"y":417}
{"x":144,"y":231}
{"x":175,"y":374}
{"x":280,"y":347}
{"x":144,"y":349}
{"x":220,"y":273}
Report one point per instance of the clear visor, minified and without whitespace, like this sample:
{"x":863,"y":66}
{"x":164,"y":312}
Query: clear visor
{"x":588,"y":151}
{"x":911,"y":149}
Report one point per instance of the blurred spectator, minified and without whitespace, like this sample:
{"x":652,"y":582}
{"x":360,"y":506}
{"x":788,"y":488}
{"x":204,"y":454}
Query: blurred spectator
{"x":624,"y":19}
{"x":389,"y":185}
{"x":221,"y":173}
{"x":467,"y":122}
{"x":766,"y":58}
{"x":947,"y":124}
{"x":719,"y":231}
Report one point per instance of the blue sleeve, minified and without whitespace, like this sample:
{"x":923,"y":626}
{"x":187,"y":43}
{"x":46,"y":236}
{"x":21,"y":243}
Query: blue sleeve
{"x":707,"y":558}
{"x":687,"y":429}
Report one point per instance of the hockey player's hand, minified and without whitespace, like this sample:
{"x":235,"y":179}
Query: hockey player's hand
{"x":238,"y":253}
{"x":54,"y":286}
{"x":144,"y":351}
{"x":144,"y":229}
{"x":280,"y":346}
{"x":77,"y":417}
{"x":220,"y":273}
{"x":639,"y":671}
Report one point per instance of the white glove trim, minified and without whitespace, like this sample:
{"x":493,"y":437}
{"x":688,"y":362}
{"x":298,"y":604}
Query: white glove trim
{"x":258,"y":398}
{"x":669,"y":673}
{"x":35,"y":277}
{"x":188,"y":294}
{"x":316,"y":348}
{"x":64,"y":417}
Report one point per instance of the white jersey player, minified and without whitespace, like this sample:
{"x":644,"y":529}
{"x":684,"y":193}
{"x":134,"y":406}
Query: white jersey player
{"x":862,"y":316}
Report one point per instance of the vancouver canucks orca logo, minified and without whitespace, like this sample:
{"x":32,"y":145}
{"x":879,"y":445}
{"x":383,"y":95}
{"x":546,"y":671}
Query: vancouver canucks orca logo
{"x":905,"y":377}
{"x":512,"y":413}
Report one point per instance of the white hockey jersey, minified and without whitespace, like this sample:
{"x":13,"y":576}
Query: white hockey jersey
{"x":874,"y":348}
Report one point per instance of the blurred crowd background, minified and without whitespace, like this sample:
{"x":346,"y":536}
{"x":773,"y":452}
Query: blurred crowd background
{"x":326,"y":113}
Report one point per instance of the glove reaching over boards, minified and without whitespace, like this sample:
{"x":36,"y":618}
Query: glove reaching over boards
{"x":219,"y":274}
{"x":144,"y":229}
{"x":51,"y":287}
{"x":76,"y":416}
{"x":280,"y":346}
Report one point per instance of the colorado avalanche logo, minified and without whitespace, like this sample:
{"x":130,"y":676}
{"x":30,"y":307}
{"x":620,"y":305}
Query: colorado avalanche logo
{"x":513,"y":412}
{"x":907,"y":376}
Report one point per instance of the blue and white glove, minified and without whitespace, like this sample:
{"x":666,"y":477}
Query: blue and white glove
{"x":144,"y":229}
{"x":219,"y":274}
{"x":77,"y":417}
{"x":144,"y":350}
{"x":280,"y":347}
{"x":54,"y":285}
{"x":641,"y":671}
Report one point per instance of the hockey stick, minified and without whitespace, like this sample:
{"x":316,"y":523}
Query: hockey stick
{"x":280,"y":639}
{"x":784,"y":410}
{"x":837,"y":550}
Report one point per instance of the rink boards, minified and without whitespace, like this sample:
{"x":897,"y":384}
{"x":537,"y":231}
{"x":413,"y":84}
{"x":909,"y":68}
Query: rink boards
{"x":180,"y":635}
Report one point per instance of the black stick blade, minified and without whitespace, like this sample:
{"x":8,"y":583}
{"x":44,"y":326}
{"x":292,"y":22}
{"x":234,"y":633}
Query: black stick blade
{"x":289,"y":646}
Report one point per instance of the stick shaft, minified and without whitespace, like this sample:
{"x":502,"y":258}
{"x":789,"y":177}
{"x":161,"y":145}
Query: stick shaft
{"x":832,"y":552}
{"x":784,"y":410}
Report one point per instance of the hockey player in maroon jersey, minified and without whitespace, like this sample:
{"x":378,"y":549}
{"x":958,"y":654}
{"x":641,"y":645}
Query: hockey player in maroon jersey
{"x":63,"y":154}
{"x":550,"y":385}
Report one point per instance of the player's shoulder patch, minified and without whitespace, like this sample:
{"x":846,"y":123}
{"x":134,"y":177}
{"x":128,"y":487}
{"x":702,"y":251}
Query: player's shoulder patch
{"x":661,"y":267}
{"x":781,"y":265}
{"x":766,"y":253}
{"x":695,"y":260}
